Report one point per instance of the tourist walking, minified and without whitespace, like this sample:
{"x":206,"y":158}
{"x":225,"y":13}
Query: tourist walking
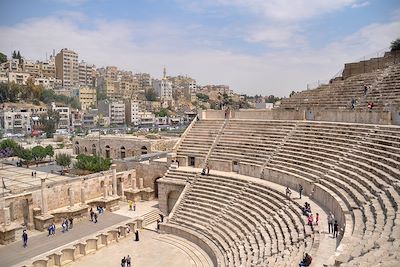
{"x":316,"y":218}
{"x":300,"y":190}
{"x":134,"y":206}
{"x":130,"y":204}
{"x":123,"y":261}
{"x":331,"y":220}
{"x":137,"y":235}
{"x":95,"y":218}
{"x":335,"y":229}
{"x":91,"y":214}
{"x":24,"y":239}
{"x":71,"y":221}
{"x":288,"y":192}
{"x":128,"y":261}
{"x":53,"y":229}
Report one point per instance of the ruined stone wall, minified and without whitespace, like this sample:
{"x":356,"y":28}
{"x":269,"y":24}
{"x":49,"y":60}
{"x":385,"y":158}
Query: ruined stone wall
{"x":131,"y":147}
{"x":58,"y":192}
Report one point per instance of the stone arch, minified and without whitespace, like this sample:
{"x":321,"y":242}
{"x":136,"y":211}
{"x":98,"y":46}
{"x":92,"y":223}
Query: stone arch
{"x":108,"y":153}
{"x":123,"y":153}
{"x":156,"y":186}
{"x":143,"y":150}
{"x":94,"y":149}
{"x":172,"y":197}
{"x":77,"y":148}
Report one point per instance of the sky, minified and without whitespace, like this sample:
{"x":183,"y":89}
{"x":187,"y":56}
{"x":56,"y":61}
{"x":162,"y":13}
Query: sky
{"x":254,"y":46}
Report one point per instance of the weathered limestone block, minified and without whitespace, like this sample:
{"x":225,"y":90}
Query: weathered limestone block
{"x":67,"y":255}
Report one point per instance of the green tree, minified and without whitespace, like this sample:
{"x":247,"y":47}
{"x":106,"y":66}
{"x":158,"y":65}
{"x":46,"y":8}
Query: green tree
{"x":25,"y":154}
{"x":202,"y":97}
{"x":163,"y":112}
{"x":38,"y":153}
{"x":3,"y":58}
{"x":49,"y":151}
{"x":50,"y":122}
{"x":63,"y":160}
{"x":92,"y":163}
{"x":395,"y":45}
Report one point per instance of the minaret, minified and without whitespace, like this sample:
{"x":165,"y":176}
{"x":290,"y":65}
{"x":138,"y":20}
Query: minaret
{"x":165,"y":72}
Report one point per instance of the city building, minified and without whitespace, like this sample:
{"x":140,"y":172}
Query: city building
{"x":64,"y":112}
{"x":67,"y":68}
{"x":18,"y":77}
{"x":48,"y":82}
{"x":86,"y":96}
{"x":86,"y":74}
{"x":31,"y":67}
{"x":163,"y":87}
{"x":16,"y":120}
{"x":114,"y":110}
{"x":146,"y":118}
{"x":132,"y":112}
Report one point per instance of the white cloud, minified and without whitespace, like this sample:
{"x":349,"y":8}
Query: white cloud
{"x":282,"y":10}
{"x":358,"y":5}
{"x":149,"y":47}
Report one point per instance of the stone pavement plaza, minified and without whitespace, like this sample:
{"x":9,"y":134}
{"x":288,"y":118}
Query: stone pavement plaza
{"x":153,"y":250}
{"x":39,"y":244}
{"x":19,"y":179}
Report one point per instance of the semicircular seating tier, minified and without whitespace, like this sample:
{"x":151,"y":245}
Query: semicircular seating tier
{"x":384,"y":92}
{"x":350,"y":169}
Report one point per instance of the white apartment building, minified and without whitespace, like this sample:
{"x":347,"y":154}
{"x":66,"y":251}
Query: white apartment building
{"x":64,"y":112}
{"x":16,"y":121}
{"x":114,"y":110}
{"x":146,"y":118}
{"x":48,"y":83}
{"x":67,"y":68}
{"x":132,"y":112}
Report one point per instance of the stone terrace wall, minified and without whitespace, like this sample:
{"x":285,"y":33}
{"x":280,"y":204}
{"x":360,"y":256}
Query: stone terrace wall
{"x":380,"y":117}
{"x":365,"y":66}
{"x":268,"y":114}
{"x":349,"y":116}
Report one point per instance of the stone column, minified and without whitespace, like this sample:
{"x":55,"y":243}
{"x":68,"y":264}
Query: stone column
{"x":71,"y":197}
{"x":105,"y":186}
{"x":83,"y":192}
{"x":44,"y":196}
{"x":140,"y":183}
{"x":7,"y":216}
{"x":122,"y":189}
{"x":134,"y":183}
{"x":114,"y":179}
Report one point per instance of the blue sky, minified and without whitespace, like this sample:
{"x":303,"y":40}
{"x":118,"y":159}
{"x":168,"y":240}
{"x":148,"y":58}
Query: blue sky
{"x":255,"y":46}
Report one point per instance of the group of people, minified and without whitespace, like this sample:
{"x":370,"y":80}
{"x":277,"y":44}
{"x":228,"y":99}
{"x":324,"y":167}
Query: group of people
{"x":333,"y":225}
{"x":126,"y":261}
{"x":93,"y":215}
{"x":51,"y":229}
{"x":33,"y":174}
{"x":132,"y":205}
{"x":288,"y":192}
{"x":67,"y":224}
